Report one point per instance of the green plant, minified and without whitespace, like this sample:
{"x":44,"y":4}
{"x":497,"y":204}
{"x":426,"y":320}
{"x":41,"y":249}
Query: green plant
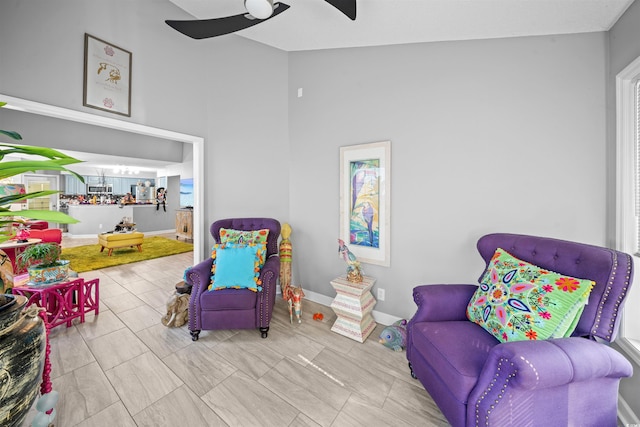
{"x":40,"y":254}
{"x":54,"y":160}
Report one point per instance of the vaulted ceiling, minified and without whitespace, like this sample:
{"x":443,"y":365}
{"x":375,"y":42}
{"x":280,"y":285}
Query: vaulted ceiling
{"x":314,"y":24}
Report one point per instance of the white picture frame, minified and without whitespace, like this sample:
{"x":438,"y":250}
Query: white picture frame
{"x":107,"y":76}
{"x":365,"y":196}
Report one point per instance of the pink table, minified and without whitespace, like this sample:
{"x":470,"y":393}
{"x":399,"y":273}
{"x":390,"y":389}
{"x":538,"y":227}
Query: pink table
{"x":64,"y":301}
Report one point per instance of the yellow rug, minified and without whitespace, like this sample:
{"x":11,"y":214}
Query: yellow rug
{"x":89,"y":257}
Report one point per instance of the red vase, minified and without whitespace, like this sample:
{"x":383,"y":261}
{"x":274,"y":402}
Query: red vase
{"x":22,"y":351}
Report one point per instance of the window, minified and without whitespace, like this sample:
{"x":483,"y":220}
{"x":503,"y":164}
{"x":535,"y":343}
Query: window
{"x":628,"y":194}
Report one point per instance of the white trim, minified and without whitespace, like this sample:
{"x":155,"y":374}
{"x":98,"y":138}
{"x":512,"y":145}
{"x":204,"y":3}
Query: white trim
{"x":625,"y":164}
{"x":380,"y":317}
{"x":625,"y":413}
{"x":630,"y":350}
{"x":126,"y":126}
{"x":625,"y":170}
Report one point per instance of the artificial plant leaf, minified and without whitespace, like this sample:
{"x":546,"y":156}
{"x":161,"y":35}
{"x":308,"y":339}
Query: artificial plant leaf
{"x":51,"y":216}
{"x":16,"y":198}
{"x":11,"y":134}
{"x":8,"y":169}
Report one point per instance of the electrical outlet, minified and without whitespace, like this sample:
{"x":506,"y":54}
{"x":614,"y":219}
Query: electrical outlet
{"x":100,"y":226}
{"x":380,"y":294}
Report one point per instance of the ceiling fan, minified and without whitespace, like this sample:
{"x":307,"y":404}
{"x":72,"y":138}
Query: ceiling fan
{"x":258,"y":11}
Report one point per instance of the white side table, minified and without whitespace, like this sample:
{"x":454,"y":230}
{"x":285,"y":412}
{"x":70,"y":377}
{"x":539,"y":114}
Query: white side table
{"x":353,"y":305}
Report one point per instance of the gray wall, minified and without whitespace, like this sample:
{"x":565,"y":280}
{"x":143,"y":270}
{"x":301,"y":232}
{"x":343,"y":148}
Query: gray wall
{"x":491,"y":135}
{"x":212,"y":88}
{"x":502,"y":135}
{"x":624,"y":47}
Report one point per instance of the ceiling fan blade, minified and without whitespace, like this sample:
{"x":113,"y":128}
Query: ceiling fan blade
{"x":205,"y":28}
{"x":348,"y":7}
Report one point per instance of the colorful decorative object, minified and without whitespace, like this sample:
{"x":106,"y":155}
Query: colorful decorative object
{"x":295,"y":303}
{"x":354,"y":271}
{"x":22,"y":234}
{"x":40,"y":275}
{"x":7,"y":190}
{"x":318,"y":316}
{"x":48,"y":396}
{"x":353,"y":305}
{"x":364,"y":200}
{"x":44,"y":264}
{"x":286,"y":251}
{"x":161,"y":199}
{"x":22,"y":353}
{"x":394,"y":336}
{"x":293,"y":295}
{"x":517,"y":300}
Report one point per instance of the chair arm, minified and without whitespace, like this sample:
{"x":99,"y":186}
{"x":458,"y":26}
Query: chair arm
{"x":267,"y":297}
{"x":270,"y":272}
{"x":438,"y":303}
{"x":551,"y":363}
{"x":199,"y":276}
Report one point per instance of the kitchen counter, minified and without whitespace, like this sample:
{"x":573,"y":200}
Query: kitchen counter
{"x":95,"y":219}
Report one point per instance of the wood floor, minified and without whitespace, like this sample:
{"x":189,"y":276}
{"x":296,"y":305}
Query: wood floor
{"x":124,"y":368}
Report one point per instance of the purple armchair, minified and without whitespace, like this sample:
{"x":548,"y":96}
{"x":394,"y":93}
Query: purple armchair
{"x":234,"y":308}
{"x":476,"y":380}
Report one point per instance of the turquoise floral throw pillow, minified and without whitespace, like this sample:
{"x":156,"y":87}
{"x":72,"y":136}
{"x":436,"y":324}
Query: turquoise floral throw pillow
{"x":237,"y":266}
{"x":517,"y":300}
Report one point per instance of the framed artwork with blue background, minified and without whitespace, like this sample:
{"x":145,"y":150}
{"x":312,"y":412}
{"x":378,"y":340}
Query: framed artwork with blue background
{"x":364,"y":200}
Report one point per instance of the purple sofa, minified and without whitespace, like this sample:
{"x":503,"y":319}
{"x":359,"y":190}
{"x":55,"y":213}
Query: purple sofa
{"x":476,"y":380}
{"x":234,"y":308}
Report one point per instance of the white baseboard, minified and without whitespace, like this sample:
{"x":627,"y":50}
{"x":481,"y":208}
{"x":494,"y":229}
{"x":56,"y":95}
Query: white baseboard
{"x":626,"y":416}
{"x":378,"y":316}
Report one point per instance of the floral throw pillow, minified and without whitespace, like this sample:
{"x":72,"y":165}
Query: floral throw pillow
{"x":228,"y":235}
{"x":517,"y":300}
{"x":237,"y":266}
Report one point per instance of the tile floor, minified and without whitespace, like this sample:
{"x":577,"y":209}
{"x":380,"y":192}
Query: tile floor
{"x":124,"y":368}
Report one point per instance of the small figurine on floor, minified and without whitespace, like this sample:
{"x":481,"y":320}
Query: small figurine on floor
{"x":161,"y":199}
{"x":177,"y":310}
{"x":294,"y":300}
{"x":395,"y":336}
{"x":354,"y":271}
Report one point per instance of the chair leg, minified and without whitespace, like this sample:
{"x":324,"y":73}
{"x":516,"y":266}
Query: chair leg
{"x":413,"y":375}
{"x":263,"y":331}
{"x":194,"y":335}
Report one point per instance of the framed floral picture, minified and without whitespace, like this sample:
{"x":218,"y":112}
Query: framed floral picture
{"x":107,"y":76}
{"x":365,"y":183}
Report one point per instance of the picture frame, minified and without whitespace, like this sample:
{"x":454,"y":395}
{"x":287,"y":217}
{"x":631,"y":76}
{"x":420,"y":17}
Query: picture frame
{"x":365,"y":195}
{"x":107,"y":76}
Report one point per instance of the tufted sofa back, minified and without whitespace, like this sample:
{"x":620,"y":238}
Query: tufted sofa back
{"x":611,"y":270}
{"x":250,"y":224}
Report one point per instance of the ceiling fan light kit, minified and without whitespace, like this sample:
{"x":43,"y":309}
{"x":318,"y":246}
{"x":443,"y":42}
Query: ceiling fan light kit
{"x":261,"y":9}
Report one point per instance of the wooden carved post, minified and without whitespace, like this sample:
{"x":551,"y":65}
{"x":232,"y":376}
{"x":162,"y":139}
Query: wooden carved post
{"x":285,"y":250}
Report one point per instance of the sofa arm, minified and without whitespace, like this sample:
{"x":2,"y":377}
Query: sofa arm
{"x":552,"y":363}
{"x":438,"y":303}
{"x":549,"y":371}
